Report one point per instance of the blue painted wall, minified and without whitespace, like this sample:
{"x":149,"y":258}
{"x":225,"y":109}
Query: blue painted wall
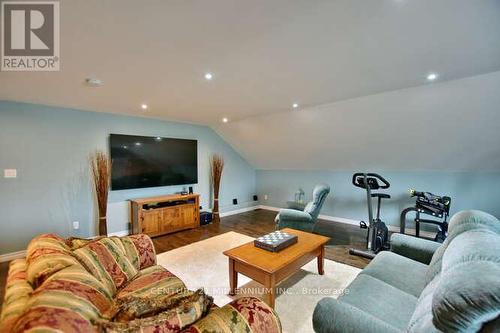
{"x":467,"y":190}
{"x":49,"y":147}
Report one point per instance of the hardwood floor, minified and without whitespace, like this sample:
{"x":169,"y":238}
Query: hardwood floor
{"x":259,"y":222}
{"x":255,"y":223}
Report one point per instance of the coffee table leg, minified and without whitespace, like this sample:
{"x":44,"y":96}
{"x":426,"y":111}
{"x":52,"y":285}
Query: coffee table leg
{"x":271,"y":290}
{"x":272,"y":296}
{"x":321,"y":261}
{"x":233,"y":278}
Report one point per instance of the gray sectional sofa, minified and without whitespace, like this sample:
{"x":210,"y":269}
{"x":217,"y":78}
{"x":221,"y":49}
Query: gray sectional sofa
{"x":423,"y":286}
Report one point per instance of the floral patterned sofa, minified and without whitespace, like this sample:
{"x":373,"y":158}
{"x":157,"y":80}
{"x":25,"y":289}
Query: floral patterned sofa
{"x":112,"y":284}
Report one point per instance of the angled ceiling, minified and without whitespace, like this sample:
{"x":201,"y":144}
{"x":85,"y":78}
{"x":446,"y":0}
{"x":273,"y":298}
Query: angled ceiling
{"x":449,"y":126}
{"x":264,"y":55}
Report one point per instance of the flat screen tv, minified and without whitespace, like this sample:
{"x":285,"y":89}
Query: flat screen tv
{"x":142,"y":161}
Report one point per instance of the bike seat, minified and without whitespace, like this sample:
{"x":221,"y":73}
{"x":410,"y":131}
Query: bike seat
{"x":381,"y":195}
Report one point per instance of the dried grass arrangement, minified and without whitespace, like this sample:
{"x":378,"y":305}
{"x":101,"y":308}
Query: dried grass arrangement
{"x":100,"y":173}
{"x":217,"y":165}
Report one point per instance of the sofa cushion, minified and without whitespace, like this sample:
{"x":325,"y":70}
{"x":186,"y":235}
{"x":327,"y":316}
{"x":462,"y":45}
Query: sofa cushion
{"x":381,"y":300}
{"x":330,"y":315}
{"x":246,"y":314}
{"x":17,"y":294}
{"x":108,"y":262}
{"x":151,"y":289}
{"x":53,"y":320}
{"x":460,"y":223}
{"x":398,"y":271}
{"x":47,"y":254}
{"x":468,"y":294}
{"x":421,"y":320}
{"x":139,"y":248}
{"x":67,"y":301}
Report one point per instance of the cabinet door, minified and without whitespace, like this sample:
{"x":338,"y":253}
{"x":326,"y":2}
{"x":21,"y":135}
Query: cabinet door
{"x":167,"y":222}
{"x":188,"y":216}
{"x":176,"y":220}
{"x":150,"y":222}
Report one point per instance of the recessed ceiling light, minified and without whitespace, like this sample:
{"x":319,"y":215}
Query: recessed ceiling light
{"x":93,"y":82}
{"x":225,"y":120}
{"x":138,"y":143}
{"x":209,"y":76}
{"x":295,"y":105}
{"x":144,"y":106}
{"x":432,"y":76}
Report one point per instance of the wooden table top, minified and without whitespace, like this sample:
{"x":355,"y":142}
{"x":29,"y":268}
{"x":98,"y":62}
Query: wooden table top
{"x":271,"y":262}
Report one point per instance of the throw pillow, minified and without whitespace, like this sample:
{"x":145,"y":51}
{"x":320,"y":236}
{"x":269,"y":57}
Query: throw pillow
{"x":171,"y":316}
{"x":106,"y":261}
{"x":47,"y":254}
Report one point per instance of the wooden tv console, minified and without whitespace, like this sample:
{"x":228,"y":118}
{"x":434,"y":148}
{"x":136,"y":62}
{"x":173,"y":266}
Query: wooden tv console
{"x":161,"y":215}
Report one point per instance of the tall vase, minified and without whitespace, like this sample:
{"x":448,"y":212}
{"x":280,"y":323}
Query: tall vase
{"x":100,"y":172}
{"x":103,"y":226}
{"x":217,"y":165}
{"x":215,"y":210}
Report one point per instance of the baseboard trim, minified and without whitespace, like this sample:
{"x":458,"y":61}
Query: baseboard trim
{"x":276,"y":209}
{"x":12,"y":255}
{"x":238,"y":211}
{"x":120,"y":233}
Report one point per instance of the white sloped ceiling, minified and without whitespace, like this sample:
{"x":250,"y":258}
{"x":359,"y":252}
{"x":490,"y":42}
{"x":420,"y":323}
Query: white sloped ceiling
{"x":453,"y":125}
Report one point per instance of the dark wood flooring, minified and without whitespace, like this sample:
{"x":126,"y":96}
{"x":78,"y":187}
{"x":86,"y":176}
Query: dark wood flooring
{"x":259,"y":222}
{"x":255,"y":223}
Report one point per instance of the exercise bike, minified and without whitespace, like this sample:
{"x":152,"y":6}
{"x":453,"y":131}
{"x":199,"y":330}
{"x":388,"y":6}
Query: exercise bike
{"x":377,"y":233}
{"x":429,"y":204}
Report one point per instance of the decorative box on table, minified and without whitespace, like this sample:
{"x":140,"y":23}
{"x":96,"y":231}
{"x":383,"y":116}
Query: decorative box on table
{"x":275,"y":241}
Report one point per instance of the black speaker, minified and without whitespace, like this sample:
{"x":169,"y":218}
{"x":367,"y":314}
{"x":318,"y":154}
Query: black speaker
{"x":205,"y":218}
{"x":235,"y":201}
{"x":255,"y":197}
{"x":190,"y":190}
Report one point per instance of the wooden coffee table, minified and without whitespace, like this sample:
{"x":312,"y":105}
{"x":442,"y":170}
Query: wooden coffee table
{"x":271,"y":268}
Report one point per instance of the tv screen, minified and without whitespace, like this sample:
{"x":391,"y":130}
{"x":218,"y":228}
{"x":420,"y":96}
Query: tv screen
{"x":141,"y":161}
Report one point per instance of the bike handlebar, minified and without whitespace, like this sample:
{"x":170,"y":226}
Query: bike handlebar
{"x":386,"y":184}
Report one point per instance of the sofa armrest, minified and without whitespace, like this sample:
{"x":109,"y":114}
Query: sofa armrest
{"x":330,"y":316}
{"x":293,"y":216}
{"x":246,"y":314}
{"x":414,"y":248}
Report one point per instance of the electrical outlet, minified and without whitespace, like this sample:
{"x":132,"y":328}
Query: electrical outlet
{"x":76,"y":225}
{"x":265,"y":196}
